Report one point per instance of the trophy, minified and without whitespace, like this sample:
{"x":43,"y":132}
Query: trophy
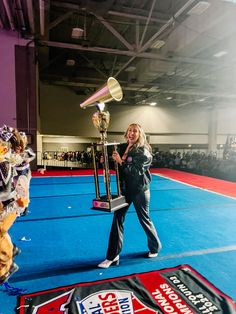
{"x":109,"y":91}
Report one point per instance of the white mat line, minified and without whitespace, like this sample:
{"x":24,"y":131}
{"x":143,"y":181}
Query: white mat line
{"x":199,"y":252}
{"x":197,"y":187}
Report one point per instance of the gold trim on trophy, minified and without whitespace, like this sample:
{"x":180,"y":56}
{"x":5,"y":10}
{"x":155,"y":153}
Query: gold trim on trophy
{"x":108,"y":92}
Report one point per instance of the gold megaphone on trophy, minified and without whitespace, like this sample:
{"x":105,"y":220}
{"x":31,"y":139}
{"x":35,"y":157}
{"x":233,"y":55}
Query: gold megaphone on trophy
{"x":109,"y":91}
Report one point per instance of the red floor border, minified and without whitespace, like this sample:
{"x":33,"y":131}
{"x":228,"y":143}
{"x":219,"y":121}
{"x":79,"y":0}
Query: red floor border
{"x":216,"y":185}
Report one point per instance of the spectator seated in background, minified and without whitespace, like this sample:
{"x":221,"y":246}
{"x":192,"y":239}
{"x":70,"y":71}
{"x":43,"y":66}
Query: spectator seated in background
{"x":198,"y":162}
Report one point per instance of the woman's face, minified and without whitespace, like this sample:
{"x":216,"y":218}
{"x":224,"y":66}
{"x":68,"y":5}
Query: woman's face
{"x":132,"y":134}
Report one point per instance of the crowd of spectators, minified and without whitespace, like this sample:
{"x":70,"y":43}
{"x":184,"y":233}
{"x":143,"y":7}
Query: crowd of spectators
{"x":192,"y":161}
{"x":199,"y":163}
{"x":82,"y":157}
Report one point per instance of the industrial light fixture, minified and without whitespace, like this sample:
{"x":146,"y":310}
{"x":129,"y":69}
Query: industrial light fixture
{"x":169,"y":98}
{"x":158,"y":44}
{"x":220,"y":54}
{"x":152,"y":103}
{"x":77,"y":32}
{"x":199,"y":8}
{"x":70,"y":62}
{"x":130,"y":69}
{"x":233,"y":1}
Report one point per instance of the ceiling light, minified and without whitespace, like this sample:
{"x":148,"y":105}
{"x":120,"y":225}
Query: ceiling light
{"x":220,"y":54}
{"x":170,"y":73}
{"x":77,"y":32}
{"x":199,"y":8}
{"x":130,"y":69}
{"x":158,"y":44}
{"x":70,"y":62}
{"x":184,"y":104}
{"x":169,"y":98}
{"x":202,"y":99}
{"x":233,"y":1}
{"x":152,"y":103}
{"x":154,"y":89}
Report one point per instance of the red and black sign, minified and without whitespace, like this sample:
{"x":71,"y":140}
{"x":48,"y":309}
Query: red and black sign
{"x":174,"y":290}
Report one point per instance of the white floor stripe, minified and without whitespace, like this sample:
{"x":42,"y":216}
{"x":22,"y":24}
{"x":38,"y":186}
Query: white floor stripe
{"x":197,"y":187}
{"x":199,"y":252}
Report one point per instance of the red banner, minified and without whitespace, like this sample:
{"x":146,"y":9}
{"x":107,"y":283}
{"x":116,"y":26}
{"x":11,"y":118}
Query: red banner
{"x":174,"y":290}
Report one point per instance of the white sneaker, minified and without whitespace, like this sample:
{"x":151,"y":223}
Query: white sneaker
{"x":151,"y":255}
{"x":107,"y":263}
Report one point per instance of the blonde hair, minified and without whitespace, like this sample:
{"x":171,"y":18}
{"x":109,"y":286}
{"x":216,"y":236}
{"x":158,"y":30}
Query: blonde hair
{"x":142,"y":140}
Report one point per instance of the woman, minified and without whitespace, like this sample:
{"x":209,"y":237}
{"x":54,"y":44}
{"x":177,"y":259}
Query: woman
{"x":134,"y":160}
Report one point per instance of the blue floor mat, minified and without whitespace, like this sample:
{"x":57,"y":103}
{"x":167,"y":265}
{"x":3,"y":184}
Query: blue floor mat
{"x":62,"y":239}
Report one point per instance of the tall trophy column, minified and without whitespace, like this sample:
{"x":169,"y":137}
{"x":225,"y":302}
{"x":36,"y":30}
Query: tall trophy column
{"x":108,"y":202}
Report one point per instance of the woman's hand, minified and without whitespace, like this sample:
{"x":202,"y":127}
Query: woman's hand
{"x":116,"y":157}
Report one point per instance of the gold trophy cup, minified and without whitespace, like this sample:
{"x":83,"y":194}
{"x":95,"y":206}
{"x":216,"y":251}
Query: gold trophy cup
{"x":109,"y":91}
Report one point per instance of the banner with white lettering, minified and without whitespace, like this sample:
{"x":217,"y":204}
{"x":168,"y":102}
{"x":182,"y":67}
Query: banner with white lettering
{"x":174,"y":290}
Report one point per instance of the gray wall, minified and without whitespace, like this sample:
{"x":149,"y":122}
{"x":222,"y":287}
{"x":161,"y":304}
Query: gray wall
{"x":167,"y":127}
{"x":61,"y":114}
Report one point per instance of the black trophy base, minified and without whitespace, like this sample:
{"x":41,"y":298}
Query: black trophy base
{"x":109,"y":206}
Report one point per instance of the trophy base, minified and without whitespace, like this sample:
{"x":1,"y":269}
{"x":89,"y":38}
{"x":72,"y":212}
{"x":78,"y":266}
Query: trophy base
{"x":109,"y":206}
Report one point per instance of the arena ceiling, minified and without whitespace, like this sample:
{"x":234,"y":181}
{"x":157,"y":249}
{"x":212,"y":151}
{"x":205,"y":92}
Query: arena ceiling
{"x":175,"y":53}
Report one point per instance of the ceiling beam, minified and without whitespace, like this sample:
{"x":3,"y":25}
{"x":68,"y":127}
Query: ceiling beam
{"x":125,"y":65}
{"x":65,"y":5}
{"x":146,"y":55}
{"x":59,"y":20}
{"x":200,"y":93}
{"x":136,"y":17}
{"x":93,"y":65}
{"x":126,"y":12}
{"x":143,"y":87}
{"x":147,"y":22}
{"x":114,"y":31}
{"x":42,"y":17}
{"x":9,"y":15}
{"x":137,"y":33}
{"x":20,"y":16}
{"x":1,"y":23}
{"x":165,"y":26}
{"x":129,"y":12}
{"x":30,"y":13}
{"x":160,"y":17}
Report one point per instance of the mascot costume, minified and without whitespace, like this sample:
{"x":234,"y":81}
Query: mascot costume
{"x":13,"y":197}
{"x":23,"y":171}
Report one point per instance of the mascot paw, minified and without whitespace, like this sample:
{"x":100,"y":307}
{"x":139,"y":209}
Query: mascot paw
{"x":22,"y":202}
